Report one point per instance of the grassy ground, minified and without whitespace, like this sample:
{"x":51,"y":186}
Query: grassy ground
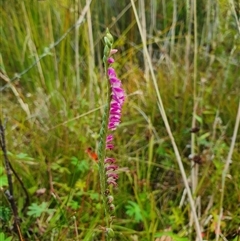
{"x":52,"y":94}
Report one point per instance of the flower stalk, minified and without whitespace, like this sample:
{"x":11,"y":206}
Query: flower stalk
{"x":108,"y":169}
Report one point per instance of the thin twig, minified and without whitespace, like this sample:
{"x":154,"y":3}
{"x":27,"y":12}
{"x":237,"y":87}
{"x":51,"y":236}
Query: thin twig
{"x":9,"y":193}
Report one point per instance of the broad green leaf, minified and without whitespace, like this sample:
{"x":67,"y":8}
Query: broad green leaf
{"x":3,"y":181}
{"x":3,"y":238}
{"x":36,"y":210}
{"x":133,"y":210}
{"x":81,"y":166}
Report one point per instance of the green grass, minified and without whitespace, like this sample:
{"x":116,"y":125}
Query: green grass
{"x":53,"y":112}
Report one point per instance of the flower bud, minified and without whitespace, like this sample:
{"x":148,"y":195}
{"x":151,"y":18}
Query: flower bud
{"x":110,"y":38}
{"x":107,"y":192}
{"x":113,"y":51}
{"x":106,"y":50}
{"x":110,"y":199}
{"x":110,"y":232}
{"x":112,"y":207}
{"x":107,"y":42}
{"x":104,"y":59}
{"x":110,"y":60}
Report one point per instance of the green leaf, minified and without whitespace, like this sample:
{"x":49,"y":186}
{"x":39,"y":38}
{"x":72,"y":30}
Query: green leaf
{"x":1,"y":170}
{"x":94,"y":195}
{"x":161,"y":150}
{"x":81,"y":166}
{"x":2,"y":237}
{"x":60,"y":168}
{"x":36,"y":210}
{"x":236,"y":238}
{"x":174,"y":236}
{"x":74,"y":204}
{"x":5,"y":214}
{"x":24,"y":156}
{"x":198,"y":118}
{"x":133,"y":210}
{"x":3,"y":181}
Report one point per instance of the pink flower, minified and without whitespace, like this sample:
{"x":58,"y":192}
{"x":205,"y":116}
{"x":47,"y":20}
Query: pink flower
{"x":109,"y":138}
{"x":112,"y":175}
{"x":112,"y":182}
{"x":118,"y":97}
{"x":109,"y":160}
{"x":113,"y":51}
{"x":115,"y":111}
{"x":111,"y":72}
{"x":111,"y":167}
{"x":110,"y":60}
{"x":109,"y":146}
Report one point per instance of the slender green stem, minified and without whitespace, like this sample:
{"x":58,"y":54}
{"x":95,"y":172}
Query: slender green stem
{"x":101,"y":155}
{"x":103,"y":137}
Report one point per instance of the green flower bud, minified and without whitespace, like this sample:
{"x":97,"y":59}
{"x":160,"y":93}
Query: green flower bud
{"x":107,"y":42}
{"x":110,"y":38}
{"x":110,"y":232}
{"x":106,"y":51}
{"x":104,"y":61}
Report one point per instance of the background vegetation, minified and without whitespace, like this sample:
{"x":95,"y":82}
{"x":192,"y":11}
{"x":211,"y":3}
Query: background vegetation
{"x":52,"y":93}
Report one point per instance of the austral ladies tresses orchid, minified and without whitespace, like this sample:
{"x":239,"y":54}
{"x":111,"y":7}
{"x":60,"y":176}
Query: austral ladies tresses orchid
{"x":108,"y":169}
{"x":115,"y":110}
